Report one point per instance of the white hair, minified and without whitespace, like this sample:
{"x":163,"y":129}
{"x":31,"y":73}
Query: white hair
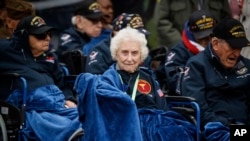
{"x":73,"y":20}
{"x":129,"y":34}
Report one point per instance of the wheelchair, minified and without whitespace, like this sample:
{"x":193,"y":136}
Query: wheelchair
{"x":187,"y":106}
{"x":74,"y":61}
{"x":184,"y":105}
{"x":12,"y":119}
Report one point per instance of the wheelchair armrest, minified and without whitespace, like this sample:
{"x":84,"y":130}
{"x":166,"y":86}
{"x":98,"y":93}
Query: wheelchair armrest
{"x":179,"y":99}
{"x":184,"y":100}
{"x":183,"y":109}
{"x":61,"y":64}
{"x":10,"y":76}
{"x":159,"y":53}
{"x":186,"y":106}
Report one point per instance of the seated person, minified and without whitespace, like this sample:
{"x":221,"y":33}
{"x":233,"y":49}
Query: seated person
{"x":218,"y":78}
{"x":51,"y":112}
{"x":107,"y":9}
{"x":125,"y":87}
{"x":99,"y":60}
{"x":87,"y":23}
{"x":195,"y":37}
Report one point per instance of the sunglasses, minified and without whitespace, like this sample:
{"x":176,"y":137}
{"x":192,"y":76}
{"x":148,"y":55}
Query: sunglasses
{"x":95,"y":21}
{"x":42,"y":36}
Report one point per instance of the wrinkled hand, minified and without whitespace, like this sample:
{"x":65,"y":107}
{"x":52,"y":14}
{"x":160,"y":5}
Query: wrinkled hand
{"x":69,"y":104}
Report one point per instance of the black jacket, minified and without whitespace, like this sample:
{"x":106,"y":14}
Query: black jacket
{"x":148,"y":94}
{"x":16,"y":57}
{"x":223,"y":94}
{"x":70,"y":39}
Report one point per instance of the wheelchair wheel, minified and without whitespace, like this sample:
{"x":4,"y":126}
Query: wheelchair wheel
{"x":3,"y":133}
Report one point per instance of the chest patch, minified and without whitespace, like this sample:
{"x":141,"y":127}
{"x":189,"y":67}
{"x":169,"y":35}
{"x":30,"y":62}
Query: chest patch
{"x":93,"y":55}
{"x":50,"y":59}
{"x":144,"y":87}
{"x":171,"y":55}
{"x":242,"y":71}
{"x":65,"y":37}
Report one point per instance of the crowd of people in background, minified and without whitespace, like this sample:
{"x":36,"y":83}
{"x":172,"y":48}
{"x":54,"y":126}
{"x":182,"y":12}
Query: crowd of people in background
{"x":207,"y":43}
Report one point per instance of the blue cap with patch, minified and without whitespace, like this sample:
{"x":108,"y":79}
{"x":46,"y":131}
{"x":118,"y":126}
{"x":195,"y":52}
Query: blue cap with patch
{"x":131,"y":20}
{"x":89,"y":9}
{"x":34,"y":25}
{"x":201,"y":23}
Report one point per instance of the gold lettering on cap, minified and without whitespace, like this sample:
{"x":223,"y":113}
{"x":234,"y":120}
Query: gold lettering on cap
{"x":203,"y":20}
{"x":94,"y":6}
{"x":136,"y":22}
{"x":37,"y":21}
{"x":238,"y":31}
{"x":235,"y":28}
{"x":205,"y":23}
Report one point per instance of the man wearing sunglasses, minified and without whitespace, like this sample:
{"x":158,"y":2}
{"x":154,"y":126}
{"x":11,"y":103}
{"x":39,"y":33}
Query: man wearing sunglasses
{"x":87,"y":23}
{"x":49,"y":102}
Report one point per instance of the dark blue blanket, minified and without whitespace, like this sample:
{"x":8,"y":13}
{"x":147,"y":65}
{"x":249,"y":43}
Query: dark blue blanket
{"x":158,"y":125}
{"x":46,"y":116}
{"x":109,"y":114}
{"x":105,"y":112}
{"x":216,"y":131}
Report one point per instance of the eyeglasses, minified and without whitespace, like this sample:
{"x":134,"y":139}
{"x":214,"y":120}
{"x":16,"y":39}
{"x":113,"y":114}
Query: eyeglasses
{"x":42,"y":36}
{"x":95,"y":21}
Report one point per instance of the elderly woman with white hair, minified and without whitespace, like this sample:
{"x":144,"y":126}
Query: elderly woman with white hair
{"x":126,"y":102}
{"x":128,"y":48}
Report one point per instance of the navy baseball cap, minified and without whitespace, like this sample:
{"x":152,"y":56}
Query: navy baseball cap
{"x":201,"y":23}
{"x":232,"y":31}
{"x":33,"y":25}
{"x":89,"y":9}
{"x":131,"y":20}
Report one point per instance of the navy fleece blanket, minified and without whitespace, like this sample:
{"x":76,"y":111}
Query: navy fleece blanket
{"x":159,"y":125}
{"x":46,"y":119}
{"x":105,"y":112}
{"x":108,"y":114}
{"x":216,"y":131}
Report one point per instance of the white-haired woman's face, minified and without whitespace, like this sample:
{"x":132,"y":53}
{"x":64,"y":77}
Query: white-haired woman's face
{"x":128,"y":56}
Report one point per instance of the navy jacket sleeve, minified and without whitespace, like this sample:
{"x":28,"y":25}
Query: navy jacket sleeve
{"x":99,"y":59}
{"x":194,"y":85}
{"x":175,"y":61}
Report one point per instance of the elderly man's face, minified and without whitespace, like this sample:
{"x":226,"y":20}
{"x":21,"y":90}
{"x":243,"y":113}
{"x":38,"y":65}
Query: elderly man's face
{"x":128,"y":56}
{"x":92,"y":28}
{"x":228,"y":55}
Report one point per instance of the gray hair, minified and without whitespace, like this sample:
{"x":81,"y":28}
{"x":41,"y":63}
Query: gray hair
{"x":129,"y":34}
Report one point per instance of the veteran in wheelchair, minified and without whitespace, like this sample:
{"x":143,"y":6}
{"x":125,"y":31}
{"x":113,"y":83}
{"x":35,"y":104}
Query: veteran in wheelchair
{"x":48,"y":107}
{"x":127,"y":101}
